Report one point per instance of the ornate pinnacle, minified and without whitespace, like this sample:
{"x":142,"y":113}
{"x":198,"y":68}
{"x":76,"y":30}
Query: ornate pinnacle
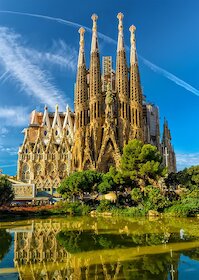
{"x":94,"y":44}
{"x":120,"y":16}
{"x":94,"y":19}
{"x":81,"y":32}
{"x":56,"y":107}
{"x":132,"y":28}
{"x":133,"y":57}
{"x":45,"y":107}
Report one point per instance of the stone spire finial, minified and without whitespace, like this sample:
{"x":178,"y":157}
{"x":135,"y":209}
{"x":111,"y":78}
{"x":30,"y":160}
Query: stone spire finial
{"x":56,"y":107}
{"x":94,"y":44}
{"x":120,"y":16}
{"x":120,"y":43}
{"x":94,"y":18}
{"x":133,"y":58}
{"x":81,"y":58}
{"x":46,"y":120}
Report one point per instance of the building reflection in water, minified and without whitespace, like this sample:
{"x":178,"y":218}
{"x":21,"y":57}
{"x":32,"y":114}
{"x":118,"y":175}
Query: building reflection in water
{"x":53,"y":249}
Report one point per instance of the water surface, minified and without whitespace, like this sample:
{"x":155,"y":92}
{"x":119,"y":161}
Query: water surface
{"x":100,"y":248}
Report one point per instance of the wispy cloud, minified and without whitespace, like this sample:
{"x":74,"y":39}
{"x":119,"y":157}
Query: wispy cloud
{"x":170,"y":76}
{"x":187,"y":160}
{"x":8,"y":165}
{"x":31,"y":78}
{"x":108,"y":39}
{"x":13,"y":117}
{"x":9,"y":150}
{"x":60,"y":54}
{"x":62,"y":21}
{"x":3,"y":131}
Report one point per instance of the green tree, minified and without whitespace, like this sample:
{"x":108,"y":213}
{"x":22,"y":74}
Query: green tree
{"x":142,"y":163}
{"x":154,"y":199}
{"x":137,"y":195}
{"x":111,"y":181}
{"x":79,"y":182}
{"x":6,"y":191}
{"x":175,"y":179}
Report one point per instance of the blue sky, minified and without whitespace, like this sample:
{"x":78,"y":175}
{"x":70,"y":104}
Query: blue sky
{"x":38,"y":58}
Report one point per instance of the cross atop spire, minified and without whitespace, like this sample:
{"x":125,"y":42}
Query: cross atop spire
{"x":133,"y":58}
{"x":94,"y":44}
{"x":81,"y":58}
{"x":120,"y":44}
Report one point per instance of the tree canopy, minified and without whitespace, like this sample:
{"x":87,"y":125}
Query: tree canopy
{"x":79,"y":182}
{"x":188,"y":178}
{"x":142,"y":162}
{"x":6,"y":191}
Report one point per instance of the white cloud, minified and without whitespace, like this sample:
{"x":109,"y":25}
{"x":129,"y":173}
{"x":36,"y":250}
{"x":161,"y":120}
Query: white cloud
{"x":170,"y":76}
{"x":9,"y":150}
{"x":60,"y":54}
{"x":109,"y":40}
{"x":3,"y":131}
{"x":13,"y":116}
{"x":31,"y":78}
{"x":187,"y":160}
{"x":8,"y":165}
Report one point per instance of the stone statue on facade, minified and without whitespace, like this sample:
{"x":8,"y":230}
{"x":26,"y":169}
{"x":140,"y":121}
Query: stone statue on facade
{"x":110,"y":103}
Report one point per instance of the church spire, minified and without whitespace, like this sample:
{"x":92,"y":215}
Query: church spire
{"x":120,"y":43}
{"x":122,"y":85}
{"x":81,"y":57}
{"x":169,"y":158}
{"x":133,"y":55}
{"x":121,"y":64}
{"x":94,"y":44}
{"x":136,"y":109}
{"x":95,"y":87}
{"x":81,"y":88}
{"x":95,"y":75}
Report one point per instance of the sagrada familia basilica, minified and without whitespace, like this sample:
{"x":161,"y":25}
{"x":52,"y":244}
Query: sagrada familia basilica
{"x":109,"y":110}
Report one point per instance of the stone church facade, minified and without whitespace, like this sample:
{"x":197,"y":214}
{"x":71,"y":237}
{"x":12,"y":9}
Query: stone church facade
{"x":108,"y":112}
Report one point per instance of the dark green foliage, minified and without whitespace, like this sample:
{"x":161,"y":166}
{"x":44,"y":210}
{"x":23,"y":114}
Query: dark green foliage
{"x":184,"y":208}
{"x":79,"y":182}
{"x":154,"y":199}
{"x":150,"y":199}
{"x":6,"y":191}
{"x":137,"y":195}
{"x":113,"y":180}
{"x":138,"y":183}
{"x":72,"y":208}
{"x":104,"y":206}
{"x":189,"y":178}
{"x":5,"y":243}
{"x":142,"y":163}
{"x":129,"y":211}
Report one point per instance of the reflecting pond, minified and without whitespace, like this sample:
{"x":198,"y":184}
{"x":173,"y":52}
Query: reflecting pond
{"x":100,"y":248}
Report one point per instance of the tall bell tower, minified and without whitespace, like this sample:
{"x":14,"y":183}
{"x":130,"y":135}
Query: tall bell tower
{"x":136,"y":108}
{"x":95,"y":90}
{"x":122,"y":86}
{"x":81,"y":106}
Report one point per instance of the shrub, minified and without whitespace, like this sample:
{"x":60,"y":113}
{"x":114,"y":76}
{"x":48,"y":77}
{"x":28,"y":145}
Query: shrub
{"x":104,"y":206}
{"x":185,"y":208}
{"x":72,"y":208}
{"x":129,"y":212}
